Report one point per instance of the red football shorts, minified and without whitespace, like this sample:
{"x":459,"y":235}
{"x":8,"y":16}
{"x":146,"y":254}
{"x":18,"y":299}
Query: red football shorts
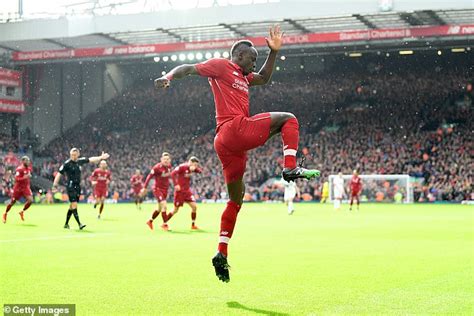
{"x":160,"y":195}
{"x":180,"y":197}
{"x":18,"y":193}
{"x":100,"y":193}
{"x":137,"y":190}
{"x":355,"y":193}
{"x":235,"y":137}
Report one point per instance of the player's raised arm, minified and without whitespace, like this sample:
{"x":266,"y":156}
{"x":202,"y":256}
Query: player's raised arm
{"x":97,"y":159}
{"x":274,"y":42}
{"x":175,"y":73}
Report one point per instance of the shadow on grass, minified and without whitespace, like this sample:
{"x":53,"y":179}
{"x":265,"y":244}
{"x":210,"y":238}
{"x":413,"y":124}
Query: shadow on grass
{"x":200,"y":231}
{"x":237,"y":305}
{"x":84,"y":231}
{"x":178,"y":232}
{"x":109,"y":220}
{"x":26,"y":225}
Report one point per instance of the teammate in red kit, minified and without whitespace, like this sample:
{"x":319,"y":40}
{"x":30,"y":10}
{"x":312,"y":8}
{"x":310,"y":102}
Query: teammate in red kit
{"x":356,"y":187}
{"x":237,"y":131}
{"x":161,"y":172}
{"x":100,"y":179}
{"x":137,"y":185}
{"x":21,"y":188}
{"x":181,"y":176}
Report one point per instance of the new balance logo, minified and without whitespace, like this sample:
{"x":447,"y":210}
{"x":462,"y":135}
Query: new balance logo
{"x":224,"y":233}
{"x":235,"y":73}
{"x":108,"y":51}
{"x":455,"y":29}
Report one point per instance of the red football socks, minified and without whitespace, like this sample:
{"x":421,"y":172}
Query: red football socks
{"x":228,"y":219}
{"x":27,"y":205}
{"x":290,"y":135}
{"x":9,"y":206}
{"x":169,"y":215}
{"x":155,"y":214}
{"x":101,"y":208}
{"x":193,"y":217}
{"x":164,"y":217}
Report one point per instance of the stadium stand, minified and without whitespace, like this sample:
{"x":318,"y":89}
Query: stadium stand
{"x":380,"y":119}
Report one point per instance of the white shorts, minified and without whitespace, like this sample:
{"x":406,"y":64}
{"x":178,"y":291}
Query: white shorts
{"x":289,"y":195}
{"x":337,"y":194}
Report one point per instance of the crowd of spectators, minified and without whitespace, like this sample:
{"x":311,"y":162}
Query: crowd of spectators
{"x":412,"y":121}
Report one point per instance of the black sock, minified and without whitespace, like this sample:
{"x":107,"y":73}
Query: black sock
{"x":76,"y":216}
{"x":68,"y":216}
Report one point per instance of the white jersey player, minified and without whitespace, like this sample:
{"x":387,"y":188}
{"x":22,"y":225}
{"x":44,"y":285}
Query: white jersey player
{"x":290,"y":192}
{"x":338,"y":186}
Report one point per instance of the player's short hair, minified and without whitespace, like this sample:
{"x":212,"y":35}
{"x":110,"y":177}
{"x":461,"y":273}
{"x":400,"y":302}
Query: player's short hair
{"x":74,"y":150}
{"x":194,"y":159}
{"x":165,"y":154}
{"x":239,"y":46}
{"x":103,"y":160}
{"x":25,"y":158}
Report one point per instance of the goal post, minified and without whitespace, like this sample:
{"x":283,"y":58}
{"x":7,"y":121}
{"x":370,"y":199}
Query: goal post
{"x":388,"y":188}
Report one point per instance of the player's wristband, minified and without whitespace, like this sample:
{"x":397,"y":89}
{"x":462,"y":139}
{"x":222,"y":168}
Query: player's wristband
{"x":169,"y":76}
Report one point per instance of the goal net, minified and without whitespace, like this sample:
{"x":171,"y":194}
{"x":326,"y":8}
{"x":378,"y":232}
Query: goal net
{"x":388,"y":188}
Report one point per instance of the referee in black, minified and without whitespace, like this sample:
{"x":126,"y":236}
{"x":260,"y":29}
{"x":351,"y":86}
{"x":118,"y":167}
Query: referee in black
{"x":72,"y":169}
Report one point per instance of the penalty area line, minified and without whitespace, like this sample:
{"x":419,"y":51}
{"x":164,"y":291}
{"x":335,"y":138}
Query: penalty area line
{"x":56,"y":237}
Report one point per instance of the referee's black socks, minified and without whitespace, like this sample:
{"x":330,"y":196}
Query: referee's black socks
{"x":68,"y":216}
{"x":76,"y":216}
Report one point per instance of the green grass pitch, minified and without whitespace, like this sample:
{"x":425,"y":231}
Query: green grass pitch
{"x":385,"y":259}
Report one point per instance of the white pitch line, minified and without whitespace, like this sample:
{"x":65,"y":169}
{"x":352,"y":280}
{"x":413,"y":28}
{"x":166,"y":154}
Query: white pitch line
{"x":55,"y":237}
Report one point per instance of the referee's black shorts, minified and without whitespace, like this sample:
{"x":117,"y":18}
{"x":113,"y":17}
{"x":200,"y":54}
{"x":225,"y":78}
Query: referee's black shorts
{"x":74,"y":193}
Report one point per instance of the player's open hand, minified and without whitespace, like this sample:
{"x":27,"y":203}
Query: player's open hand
{"x":162,"y":83}
{"x":142,"y":192}
{"x":104,"y":156}
{"x":177,"y":187}
{"x":276,"y":38}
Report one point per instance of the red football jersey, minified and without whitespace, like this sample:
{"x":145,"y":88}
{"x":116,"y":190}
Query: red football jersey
{"x":182,"y":176}
{"x":161,"y":174}
{"x":102,"y":177}
{"x":229,"y":86}
{"x":21,"y":177}
{"x":136,"y":181}
{"x":356,"y":183}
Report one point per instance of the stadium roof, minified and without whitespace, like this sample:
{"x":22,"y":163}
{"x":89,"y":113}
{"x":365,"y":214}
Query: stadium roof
{"x":354,"y":22}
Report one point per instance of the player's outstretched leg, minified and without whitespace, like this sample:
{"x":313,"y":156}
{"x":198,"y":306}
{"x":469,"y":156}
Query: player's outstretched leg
{"x":291,"y":210}
{"x":164,"y":216}
{"x":153,"y":216}
{"x":193,"y":215}
{"x":27,"y":205}
{"x":172,"y":213}
{"x":229,"y":217}
{"x":288,"y":126}
{"x":101,"y":209}
{"x":9,"y":206}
